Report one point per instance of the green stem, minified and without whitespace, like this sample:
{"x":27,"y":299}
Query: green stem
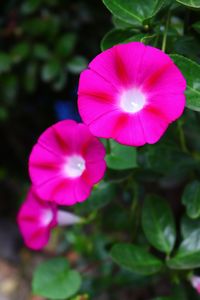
{"x":164,"y":42}
{"x":108,"y":146}
{"x":182,"y":137}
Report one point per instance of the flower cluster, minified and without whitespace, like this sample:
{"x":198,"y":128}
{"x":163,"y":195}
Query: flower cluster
{"x":130,"y":93}
{"x":65,"y":163}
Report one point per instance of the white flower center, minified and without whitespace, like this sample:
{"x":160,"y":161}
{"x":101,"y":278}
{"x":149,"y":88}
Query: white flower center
{"x":74,"y":166}
{"x":46,"y":217}
{"x":132,"y":101}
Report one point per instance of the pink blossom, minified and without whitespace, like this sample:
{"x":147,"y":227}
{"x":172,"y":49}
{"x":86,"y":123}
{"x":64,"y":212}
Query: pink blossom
{"x":131,"y":93}
{"x":66,"y":162}
{"x":195,"y":281}
{"x":36,"y":219}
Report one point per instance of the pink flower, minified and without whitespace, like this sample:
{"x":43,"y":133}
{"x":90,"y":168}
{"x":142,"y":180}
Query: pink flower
{"x":195,"y":281}
{"x":131,"y":93}
{"x":36,"y":219}
{"x":66,"y":162}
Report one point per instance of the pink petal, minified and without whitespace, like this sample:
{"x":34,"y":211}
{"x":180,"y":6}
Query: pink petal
{"x":91,"y":176}
{"x":96,"y":96}
{"x":31,"y":219}
{"x":159,"y":74}
{"x":55,"y":138}
{"x":119,"y":65}
{"x":104,"y":126}
{"x":43,"y":164}
{"x":170,"y":105}
{"x":154,"y":124}
{"x":95,"y":151}
{"x":131,"y":132}
{"x":59,"y":190}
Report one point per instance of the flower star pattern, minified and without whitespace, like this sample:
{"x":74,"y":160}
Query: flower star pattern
{"x":131,"y":93}
{"x":66,"y":162}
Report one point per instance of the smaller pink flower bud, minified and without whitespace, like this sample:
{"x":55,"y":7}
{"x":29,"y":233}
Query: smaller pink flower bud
{"x":36,"y":219}
{"x":195,"y":281}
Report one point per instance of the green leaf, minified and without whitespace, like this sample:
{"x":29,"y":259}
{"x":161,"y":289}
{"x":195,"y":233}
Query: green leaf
{"x":187,"y":256}
{"x":118,"y":23}
{"x":101,"y":195}
{"x":115,"y":36}
{"x":188,"y":226}
{"x":5,"y":62}
{"x":135,"y":258}
{"x":9,"y":88}
{"x":120,"y":36}
{"x":121,"y":157}
{"x":20,"y":52}
{"x":196,"y":26}
{"x":77,"y":64}
{"x":51,"y":70}
{"x":30,"y":6}
{"x":191,"y":199}
{"x":30,"y":76}
{"x":66,"y":44}
{"x":158,"y":223}
{"x":138,"y":10}
{"x":54,"y":280}
{"x":190,"y":3}
{"x":41,"y":51}
{"x":191,"y":71}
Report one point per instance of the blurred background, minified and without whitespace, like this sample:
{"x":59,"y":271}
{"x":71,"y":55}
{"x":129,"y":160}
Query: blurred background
{"x":44,"y":45}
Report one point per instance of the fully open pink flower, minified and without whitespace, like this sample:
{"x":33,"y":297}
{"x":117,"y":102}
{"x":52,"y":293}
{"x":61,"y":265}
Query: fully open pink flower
{"x":36,"y":218}
{"x":131,"y":93}
{"x":66,"y":162}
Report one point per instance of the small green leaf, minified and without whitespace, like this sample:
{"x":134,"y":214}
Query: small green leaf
{"x":54,"y":280}
{"x":115,"y":36}
{"x":191,"y":199}
{"x":30,"y":76}
{"x":41,"y":51}
{"x":77,"y":64}
{"x":190,"y":3}
{"x":20,"y":52}
{"x":101,"y":195}
{"x":196,"y":26}
{"x":187,"y":256}
{"x":5,"y":62}
{"x":158,"y":223}
{"x":135,"y":258}
{"x":118,"y":23}
{"x":66,"y":44}
{"x":137,"y":10}
{"x":51,"y":70}
{"x":30,"y":6}
{"x":9,"y":88}
{"x":121,"y":157}
{"x":191,"y":71}
{"x":188,"y":226}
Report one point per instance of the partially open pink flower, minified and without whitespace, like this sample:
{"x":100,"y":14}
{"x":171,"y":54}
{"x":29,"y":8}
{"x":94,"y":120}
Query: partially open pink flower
{"x":195,"y":281}
{"x":36,"y":218}
{"x":66,"y":162}
{"x":131,"y":93}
